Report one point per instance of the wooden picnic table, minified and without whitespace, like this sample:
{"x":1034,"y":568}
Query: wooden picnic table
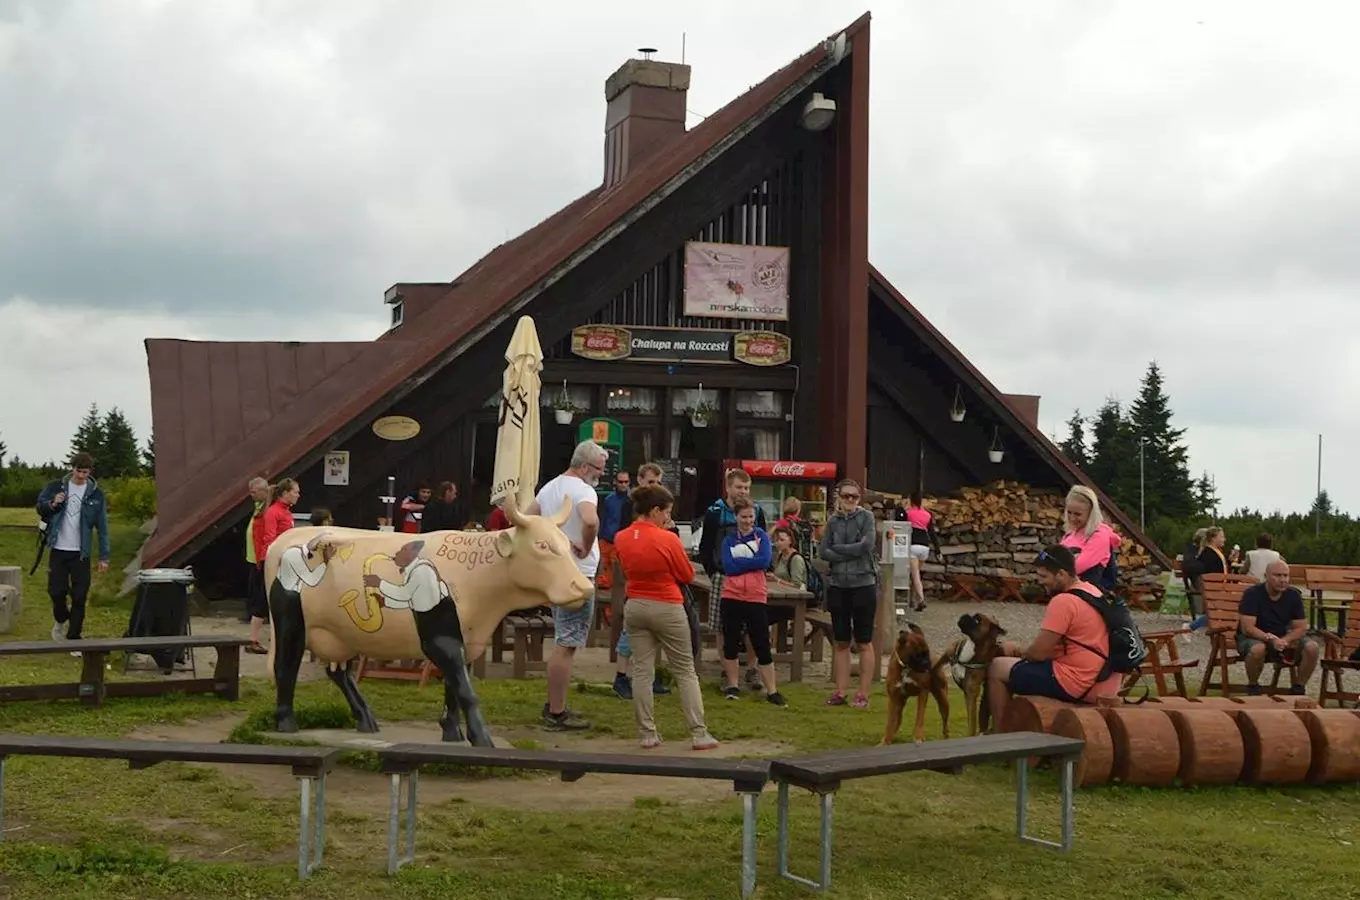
{"x":778,"y":595}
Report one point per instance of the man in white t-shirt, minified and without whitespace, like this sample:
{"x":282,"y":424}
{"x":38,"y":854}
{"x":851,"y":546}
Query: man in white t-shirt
{"x":571,"y":628}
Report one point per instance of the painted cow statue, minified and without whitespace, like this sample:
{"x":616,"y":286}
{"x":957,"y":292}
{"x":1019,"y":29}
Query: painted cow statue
{"x":348,"y":592}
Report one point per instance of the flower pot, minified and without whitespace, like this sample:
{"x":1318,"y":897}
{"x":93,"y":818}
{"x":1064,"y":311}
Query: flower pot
{"x":563,"y":416}
{"x":956,"y":415}
{"x":996,"y":455}
{"x":699,"y":421}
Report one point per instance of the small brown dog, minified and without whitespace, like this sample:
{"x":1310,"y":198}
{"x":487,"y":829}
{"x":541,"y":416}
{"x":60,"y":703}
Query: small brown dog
{"x":969,"y":658}
{"x":911,"y":673}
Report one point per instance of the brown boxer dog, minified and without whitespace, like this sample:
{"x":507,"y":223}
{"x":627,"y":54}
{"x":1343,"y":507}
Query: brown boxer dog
{"x":969,"y":658}
{"x":911,"y":673}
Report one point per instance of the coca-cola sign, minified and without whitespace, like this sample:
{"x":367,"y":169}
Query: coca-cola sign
{"x":794,"y":470}
{"x":602,"y":342}
{"x":762,"y":348}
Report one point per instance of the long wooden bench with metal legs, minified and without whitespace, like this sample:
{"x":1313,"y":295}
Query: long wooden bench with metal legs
{"x":402,"y":763}
{"x":823,"y":774}
{"x":309,"y":764}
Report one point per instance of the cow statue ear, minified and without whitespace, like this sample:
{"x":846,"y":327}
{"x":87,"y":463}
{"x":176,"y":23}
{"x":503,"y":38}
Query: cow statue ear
{"x":505,"y":541}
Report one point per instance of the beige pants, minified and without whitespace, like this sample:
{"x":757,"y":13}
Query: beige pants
{"x":652,"y":625}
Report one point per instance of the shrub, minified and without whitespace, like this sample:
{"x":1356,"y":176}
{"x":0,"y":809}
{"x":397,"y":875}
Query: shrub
{"x":133,"y":498}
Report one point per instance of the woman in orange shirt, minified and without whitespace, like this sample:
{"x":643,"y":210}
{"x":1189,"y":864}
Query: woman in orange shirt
{"x":655,"y":565}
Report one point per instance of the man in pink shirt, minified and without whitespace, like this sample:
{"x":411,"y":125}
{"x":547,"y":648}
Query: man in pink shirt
{"x":1066,"y":660}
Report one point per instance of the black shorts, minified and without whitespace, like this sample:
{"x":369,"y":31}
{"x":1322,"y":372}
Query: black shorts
{"x":740,"y":618}
{"x":852,"y":613}
{"x":1036,"y":679}
{"x":257,"y":601}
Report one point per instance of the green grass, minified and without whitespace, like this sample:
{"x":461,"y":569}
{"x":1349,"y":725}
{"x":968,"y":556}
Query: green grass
{"x":78,"y":829}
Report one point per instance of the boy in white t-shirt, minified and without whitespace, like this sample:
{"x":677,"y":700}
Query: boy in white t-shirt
{"x":571,"y":628}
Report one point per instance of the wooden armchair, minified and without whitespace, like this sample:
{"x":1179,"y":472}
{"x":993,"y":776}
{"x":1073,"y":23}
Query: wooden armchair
{"x":1163,"y":659}
{"x":1336,"y":657}
{"x":1222,"y":597}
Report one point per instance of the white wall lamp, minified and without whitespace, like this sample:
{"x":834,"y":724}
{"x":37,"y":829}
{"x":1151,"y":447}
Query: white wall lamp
{"x":818,"y":113}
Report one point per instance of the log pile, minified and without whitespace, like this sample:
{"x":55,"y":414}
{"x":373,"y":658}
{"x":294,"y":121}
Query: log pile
{"x":998,"y":531}
{"x":1200,"y":741}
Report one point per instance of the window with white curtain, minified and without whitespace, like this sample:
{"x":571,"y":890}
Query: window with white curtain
{"x":579,"y":394}
{"x":758,"y":443}
{"x":634,"y":400}
{"x":760,"y":405}
{"x":685,"y":399}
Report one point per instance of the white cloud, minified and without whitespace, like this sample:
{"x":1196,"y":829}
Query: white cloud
{"x":1067,"y":190}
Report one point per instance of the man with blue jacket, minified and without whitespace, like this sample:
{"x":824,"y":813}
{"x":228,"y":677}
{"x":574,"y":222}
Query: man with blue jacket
{"x":71,"y":509}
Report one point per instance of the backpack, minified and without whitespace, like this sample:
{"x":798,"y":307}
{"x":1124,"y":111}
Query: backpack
{"x":1127,"y":650}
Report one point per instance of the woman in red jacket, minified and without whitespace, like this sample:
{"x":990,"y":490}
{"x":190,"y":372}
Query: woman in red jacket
{"x":654,"y":566}
{"x":273,"y":520}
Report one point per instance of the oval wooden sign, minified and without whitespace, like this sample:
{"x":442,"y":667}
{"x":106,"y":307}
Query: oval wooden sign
{"x":396,"y":428}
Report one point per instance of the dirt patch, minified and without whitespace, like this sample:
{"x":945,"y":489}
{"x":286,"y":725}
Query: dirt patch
{"x":365,"y":793}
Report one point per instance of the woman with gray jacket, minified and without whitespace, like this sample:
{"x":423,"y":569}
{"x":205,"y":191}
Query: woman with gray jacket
{"x":849,"y":545}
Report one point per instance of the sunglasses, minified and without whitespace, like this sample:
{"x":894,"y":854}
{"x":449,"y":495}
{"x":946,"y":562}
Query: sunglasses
{"x":845,"y":496}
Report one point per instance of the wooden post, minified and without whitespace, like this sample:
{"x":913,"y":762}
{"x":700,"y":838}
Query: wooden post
{"x":885,"y":620}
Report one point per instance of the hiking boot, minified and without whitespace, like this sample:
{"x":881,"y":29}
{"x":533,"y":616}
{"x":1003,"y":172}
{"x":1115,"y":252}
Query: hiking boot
{"x":732,"y":692}
{"x":1296,"y":690}
{"x":1253,"y":690}
{"x":777,"y":699}
{"x":658,"y":688}
{"x":623,"y":687}
{"x":566,"y":720}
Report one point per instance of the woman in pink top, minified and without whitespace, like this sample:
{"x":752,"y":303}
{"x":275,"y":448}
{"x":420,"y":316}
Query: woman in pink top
{"x":1066,"y":659}
{"x":1088,"y":537}
{"x":923,"y":535}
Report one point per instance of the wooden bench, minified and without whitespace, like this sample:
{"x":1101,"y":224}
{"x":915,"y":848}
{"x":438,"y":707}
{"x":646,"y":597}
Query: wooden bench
{"x":823,"y":774}
{"x":91,"y":689}
{"x":402,"y":763}
{"x":1222,"y":596}
{"x":819,"y":632}
{"x":1336,"y":658}
{"x":1339,"y":579}
{"x":309,"y":764}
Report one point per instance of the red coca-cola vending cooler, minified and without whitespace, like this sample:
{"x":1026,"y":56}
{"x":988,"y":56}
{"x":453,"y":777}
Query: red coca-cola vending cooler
{"x":774,"y":479}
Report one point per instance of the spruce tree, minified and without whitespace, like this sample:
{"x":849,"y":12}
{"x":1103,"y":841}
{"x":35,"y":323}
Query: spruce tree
{"x":1074,"y":448}
{"x":121,"y":456}
{"x":1114,"y":456}
{"x":1168,"y":488}
{"x":89,"y":437}
{"x":149,"y":454}
{"x":3,"y":452}
{"x":1322,"y":505}
{"x":1206,"y":496}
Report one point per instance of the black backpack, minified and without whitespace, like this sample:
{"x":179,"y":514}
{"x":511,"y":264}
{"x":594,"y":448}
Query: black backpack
{"x":1127,"y":650}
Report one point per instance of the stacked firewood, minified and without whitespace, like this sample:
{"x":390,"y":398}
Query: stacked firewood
{"x":998,"y":530}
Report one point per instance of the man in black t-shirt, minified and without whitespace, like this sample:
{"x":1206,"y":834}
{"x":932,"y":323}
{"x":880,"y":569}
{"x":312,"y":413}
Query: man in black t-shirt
{"x":1273,"y":627}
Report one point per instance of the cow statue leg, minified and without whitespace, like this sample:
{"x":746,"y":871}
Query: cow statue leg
{"x":450,"y":655}
{"x":343,"y":676}
{"x":290,"y":640}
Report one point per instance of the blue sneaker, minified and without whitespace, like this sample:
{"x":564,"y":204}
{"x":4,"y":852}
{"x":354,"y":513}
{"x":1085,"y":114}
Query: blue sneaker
{"x":1199,"y":623}
{"x":659,"y":688}
{"x":623,"y":687}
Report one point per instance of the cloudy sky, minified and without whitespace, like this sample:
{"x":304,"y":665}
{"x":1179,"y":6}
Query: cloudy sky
{"x":1067,"y":189}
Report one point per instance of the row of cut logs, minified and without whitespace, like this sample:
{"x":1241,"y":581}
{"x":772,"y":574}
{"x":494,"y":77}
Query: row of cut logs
{"x":1201,"y":741}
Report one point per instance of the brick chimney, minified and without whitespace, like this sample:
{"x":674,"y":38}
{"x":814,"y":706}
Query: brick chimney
{"x":646,"y":110}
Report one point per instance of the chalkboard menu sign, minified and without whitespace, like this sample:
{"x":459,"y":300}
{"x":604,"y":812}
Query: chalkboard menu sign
{"x":670,"y":473}
{"x":611,"y":471}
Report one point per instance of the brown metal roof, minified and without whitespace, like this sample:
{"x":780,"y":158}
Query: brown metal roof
{"x":1014,"y":418}
{"x":194,"y":497}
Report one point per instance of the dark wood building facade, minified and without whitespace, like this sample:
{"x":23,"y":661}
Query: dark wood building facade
{"x":868,"y":383}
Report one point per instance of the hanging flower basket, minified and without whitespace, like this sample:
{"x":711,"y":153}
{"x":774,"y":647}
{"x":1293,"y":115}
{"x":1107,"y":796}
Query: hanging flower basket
{"x":563,"y":416}
{"x":701,"y":414}
{"x":957,"y":410}
{"x":563,"y":409}
{"x":996,"y":452}
{"x":996,"y":455}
